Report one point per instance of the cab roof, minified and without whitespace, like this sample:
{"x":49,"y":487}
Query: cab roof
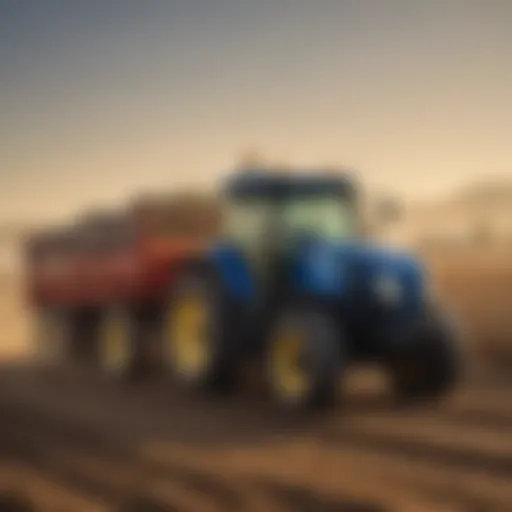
{"x":280,"y":184}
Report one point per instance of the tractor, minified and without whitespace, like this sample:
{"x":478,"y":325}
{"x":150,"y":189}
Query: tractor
{"x":293,"y":282}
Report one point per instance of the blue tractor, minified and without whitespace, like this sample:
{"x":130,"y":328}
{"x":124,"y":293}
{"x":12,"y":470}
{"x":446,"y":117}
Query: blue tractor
{"x":293,"y":282}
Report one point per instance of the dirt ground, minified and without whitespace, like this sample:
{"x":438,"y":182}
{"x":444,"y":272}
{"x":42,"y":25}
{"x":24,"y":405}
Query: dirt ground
{"x":477,"y":286}
{"x":74,"y":442}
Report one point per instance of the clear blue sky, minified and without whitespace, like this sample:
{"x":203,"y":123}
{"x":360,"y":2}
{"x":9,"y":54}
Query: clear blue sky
{"x":100,"y":98}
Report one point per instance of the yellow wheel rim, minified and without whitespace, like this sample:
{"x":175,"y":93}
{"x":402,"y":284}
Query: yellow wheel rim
{"x":188,"y":337}
{"x":287,"y":373}
{"x":115,"y":345}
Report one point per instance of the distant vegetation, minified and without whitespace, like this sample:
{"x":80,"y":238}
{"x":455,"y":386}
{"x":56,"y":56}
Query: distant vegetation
{"x":476,"y":216}
{"x":475,"y":211}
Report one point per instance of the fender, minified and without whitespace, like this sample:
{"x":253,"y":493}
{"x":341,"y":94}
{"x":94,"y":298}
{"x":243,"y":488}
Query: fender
{"x":233,"y":270}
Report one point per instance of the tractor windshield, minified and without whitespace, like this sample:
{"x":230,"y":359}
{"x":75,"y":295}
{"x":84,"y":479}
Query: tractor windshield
{"x":327,"y":216}
{"x":266,"y":213}
{"x":247,"y":221}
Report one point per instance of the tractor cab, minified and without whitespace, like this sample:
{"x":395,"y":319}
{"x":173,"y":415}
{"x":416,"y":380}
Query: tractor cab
{"x":272,"y":218}
{"x":270,"y":214}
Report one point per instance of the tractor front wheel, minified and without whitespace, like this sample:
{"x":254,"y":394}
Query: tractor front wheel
{"x":430,"y":366}
{"x":305,"y":359}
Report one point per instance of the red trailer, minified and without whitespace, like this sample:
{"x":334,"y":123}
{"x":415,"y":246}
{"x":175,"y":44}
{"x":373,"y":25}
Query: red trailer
{"x":100,"y":287}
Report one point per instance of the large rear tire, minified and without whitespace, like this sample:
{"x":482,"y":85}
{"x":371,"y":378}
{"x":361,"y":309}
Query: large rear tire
{"x":305,"y":359}
{"x":198,"y":334}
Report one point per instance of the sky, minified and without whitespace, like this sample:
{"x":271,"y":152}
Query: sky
{"x":102,"y":99}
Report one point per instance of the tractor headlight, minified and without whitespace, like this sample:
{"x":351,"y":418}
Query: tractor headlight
{"x":389,"y":290}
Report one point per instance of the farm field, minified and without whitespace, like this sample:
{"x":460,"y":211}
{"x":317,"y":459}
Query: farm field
{"x":75,"y":442}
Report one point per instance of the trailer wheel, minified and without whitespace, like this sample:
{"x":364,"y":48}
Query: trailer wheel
{"x":118,"y":345}
{"x":56,"y":337}
{"x":305,"y":359}
{"x":198,"y":334}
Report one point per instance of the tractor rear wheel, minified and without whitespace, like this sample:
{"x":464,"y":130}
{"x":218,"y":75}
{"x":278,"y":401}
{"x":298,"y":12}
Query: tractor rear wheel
{"x":305,"y":359}
{"x":198,"y":333}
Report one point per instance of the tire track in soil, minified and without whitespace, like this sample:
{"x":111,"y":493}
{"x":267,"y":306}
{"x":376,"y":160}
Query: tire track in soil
{"x":376,"y":492}
{"x":475,"y":478}
{"x":68,"y":434}
{"x":479,"y":417}
{"x":23,"y":487}
{"x":340,"y":505}
{"x":39,"y":442}
{"x":92,"y":466}
{"x":499,"y":464}
{"x":461,"y":486}
{"x":479,"y":409}
{"x":309,"y":463}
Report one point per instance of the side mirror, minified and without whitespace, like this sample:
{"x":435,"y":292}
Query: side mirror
{"x":380,"y":214}
{"x":388,"y":210}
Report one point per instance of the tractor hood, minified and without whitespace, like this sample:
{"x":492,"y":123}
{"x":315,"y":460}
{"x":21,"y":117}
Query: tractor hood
{"x":387,"y":278}
{"x":366,"y":278}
